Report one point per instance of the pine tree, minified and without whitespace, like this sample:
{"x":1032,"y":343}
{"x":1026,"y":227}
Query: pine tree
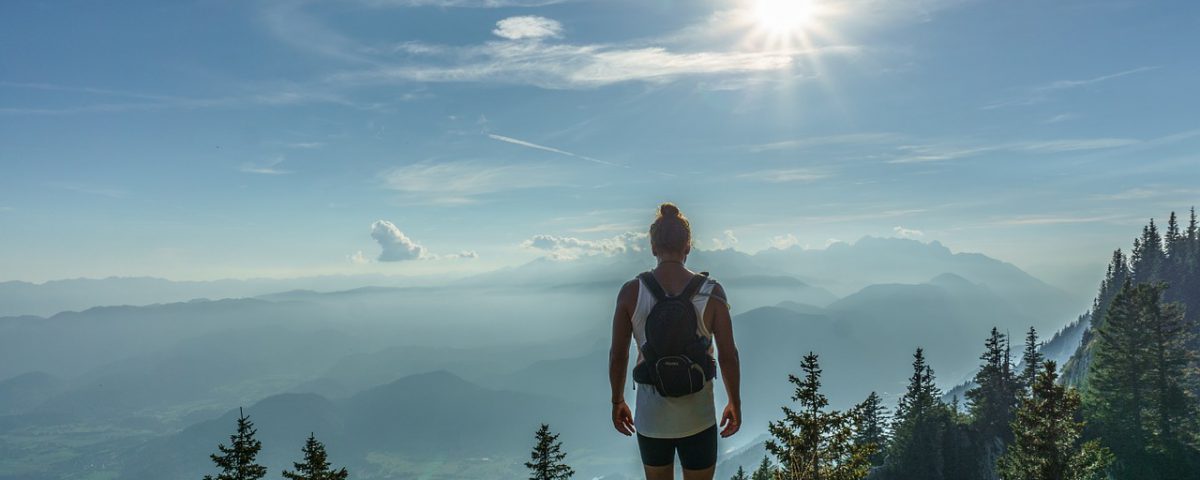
{"x":871,"y":415}
{"x":546,"y":459}
{"x":1148,"y":256}
{"x":315,"y":465}
{"x":812,"y":442}
{"x":1046,"y":444}
{"x":1136,"y":396}
{"x":740,"y":475}
{"x":1031,"y":360}
{"x":920,"y":428}
{"x":765,"y":470}
{"x":1174,"y":428}
{"x":994,"y":396}
{"x":1116,"y":390}
{"x":237,"y":460}
{"x":1174,"y":236}
{"x":1193,"y":229}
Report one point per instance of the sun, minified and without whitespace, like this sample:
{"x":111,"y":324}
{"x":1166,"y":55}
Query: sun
{"x":782,"y":16}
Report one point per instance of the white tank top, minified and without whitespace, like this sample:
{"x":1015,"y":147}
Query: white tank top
{"x":657,"y":416}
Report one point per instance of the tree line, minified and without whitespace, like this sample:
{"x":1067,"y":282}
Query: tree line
{"x":239,"y":460}
{"x":1125,"y":407}
{"x":1128,"y":408}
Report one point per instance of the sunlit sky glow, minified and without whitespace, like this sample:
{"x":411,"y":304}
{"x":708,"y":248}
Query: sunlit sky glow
{"x":212,"y":139}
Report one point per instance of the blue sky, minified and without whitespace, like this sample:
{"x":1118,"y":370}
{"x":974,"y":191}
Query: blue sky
{"x":213,"y":139}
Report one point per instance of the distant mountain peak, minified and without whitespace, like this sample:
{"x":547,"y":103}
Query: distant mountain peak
{"x":951,"y":280}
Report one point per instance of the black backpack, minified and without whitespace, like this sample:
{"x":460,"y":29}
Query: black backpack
{"x":676,"y":360}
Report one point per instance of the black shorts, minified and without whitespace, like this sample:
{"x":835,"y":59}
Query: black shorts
{"x":696,"y":452}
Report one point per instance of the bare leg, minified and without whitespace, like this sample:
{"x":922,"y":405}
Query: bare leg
{"x":706,"y":474}
{"x":665,"y":472}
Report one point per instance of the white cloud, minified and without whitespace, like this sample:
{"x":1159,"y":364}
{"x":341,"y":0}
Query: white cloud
{"x":465,"y":254}
{"x":1042,"y":93}
{"x":728,"y":241}
{"x":1062,"y":117}
{"x":1077,"y":144}
{"x":264,"y":168}
{"x":784,"y":175}
{"x":842,"y":139}
{"x":570,"y":248}
{"x":784,"y":242}
{"x":527,"y":26}
{"x":1151,"y":191}
{"x":358,"y":258}
{"x":1055,"y":220}
{"x":907,"y":232}
{"x":943,"y":152}
{"x":463,"y":182}
{"x":564,"y":66}
{"x":395,"y":245}
{"x":304,"y":145}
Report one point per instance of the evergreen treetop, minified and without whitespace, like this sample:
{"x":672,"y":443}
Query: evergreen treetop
{"x":315,"y":465}
{"x":812,"y":442}
{"x":546,"y":458}
{"x":1046,"y":444}
{"x":765,"y":470}
{"x":237,"y":461}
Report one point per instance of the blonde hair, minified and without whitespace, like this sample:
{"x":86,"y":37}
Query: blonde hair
{"x":670,"y":231}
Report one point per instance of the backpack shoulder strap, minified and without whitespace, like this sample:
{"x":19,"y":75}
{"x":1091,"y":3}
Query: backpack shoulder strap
{"x":694,"y":285}
{"x":652,"y":284}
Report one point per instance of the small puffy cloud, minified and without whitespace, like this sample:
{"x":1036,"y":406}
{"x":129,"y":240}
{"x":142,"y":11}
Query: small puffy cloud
{"x":907,"y":232}
{"x":727,"y":242}
{"x":395,"y":245}
{"x":784,"y":242}
{"x":570,"y":248}
{"x":527,"y":26}
{"x":465,"y":254}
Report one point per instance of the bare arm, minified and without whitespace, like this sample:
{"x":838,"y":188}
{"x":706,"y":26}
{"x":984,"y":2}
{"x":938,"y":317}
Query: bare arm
{"x":618,"y":356}
{"x":727,"y":359}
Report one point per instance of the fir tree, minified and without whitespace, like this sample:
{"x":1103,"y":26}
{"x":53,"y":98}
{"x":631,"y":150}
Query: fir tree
{"x":1136,"y":396}
{"x":1193,"y":229}
{"x":1174,"y":238}
{"x":994,"y":396}
{"x":315,"y":465}
{"x":812,"y":442}
{"x":871,"y":415}
{"x":740,"y":475}
{"x":1173,"y":431}
{"x":1031,"y":360}
{"x":920,"y":426}
{"x":546,"y":459}
{"x":1148,"y":256}
{"x":1046,"y":444}
{"x":237,"y":460}
{"x":765,"y":470}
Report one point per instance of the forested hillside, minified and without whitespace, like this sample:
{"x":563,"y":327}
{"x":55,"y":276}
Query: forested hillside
{"x":1126,"y":406}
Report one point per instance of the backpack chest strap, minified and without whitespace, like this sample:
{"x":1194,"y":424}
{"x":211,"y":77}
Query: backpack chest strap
{"x":656,"y":289}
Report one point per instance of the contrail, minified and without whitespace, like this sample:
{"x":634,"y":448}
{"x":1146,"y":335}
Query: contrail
{"x":523,"y":143}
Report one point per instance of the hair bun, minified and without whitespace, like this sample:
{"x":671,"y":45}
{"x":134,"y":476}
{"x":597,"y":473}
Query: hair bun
{"x":668,"y":210}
